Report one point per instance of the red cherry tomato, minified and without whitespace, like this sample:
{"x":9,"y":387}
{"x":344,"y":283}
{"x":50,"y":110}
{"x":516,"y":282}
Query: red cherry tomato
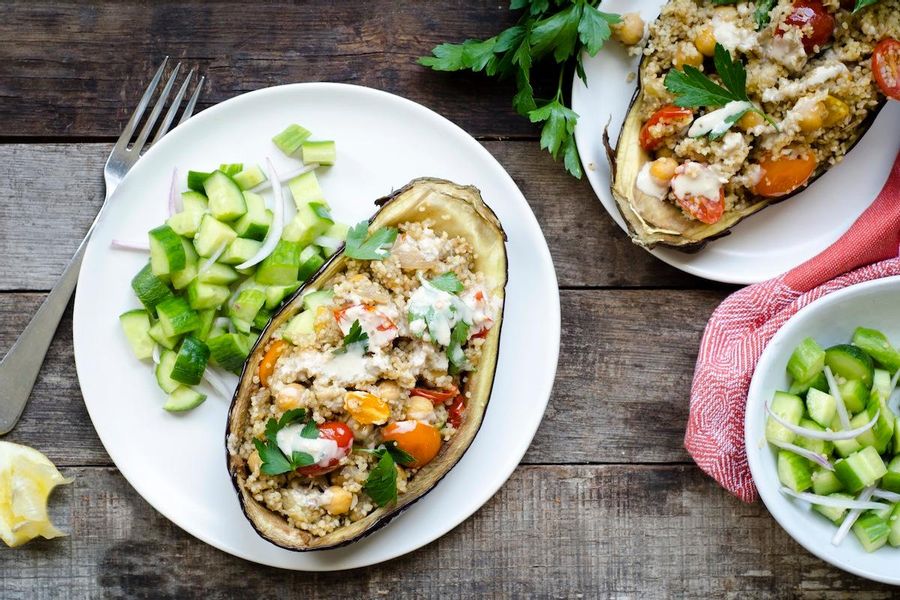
{"x":706,"y":210}
{"x":813,"y":15}
{"x":456,"y":411}
{"x":784,"y":174}
{"x":436,"y":396}
{"x":340,"y":433}
{"x":886,"y":67}
{"x":669,"y":114}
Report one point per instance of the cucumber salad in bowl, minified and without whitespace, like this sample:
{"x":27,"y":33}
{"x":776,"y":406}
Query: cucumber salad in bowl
{"x":836,"y":434}
{"x":228,"y":256}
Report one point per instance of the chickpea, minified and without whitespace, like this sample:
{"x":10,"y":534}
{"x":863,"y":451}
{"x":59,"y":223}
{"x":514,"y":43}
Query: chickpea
{"x":837,"y":111}
{"x":687,"y":54}
{"x":389,"y":391}
{"x":725,"y":13}
{"x":811,"y":116}
{"x":419,"y":408}
{"x":290,"y":397}
{"x":340,"y":501}
{"x":254,"y":462}
{"x":750,"y":120}
{"x":630,"y":30}
{"x":663,"y":169}
{"x":705,"y":41}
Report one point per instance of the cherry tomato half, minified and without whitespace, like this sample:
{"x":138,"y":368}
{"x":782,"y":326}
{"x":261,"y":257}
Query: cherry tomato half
{"x":706,"y":210}
{"x":669,"y":114}
{"x":811,"y":14}
{"x":886,"y":67}
{"x":267,"y":364}
{"x":784,"y":174}
{"x":419,"y":440}
{"x":436,"y":396}
{"x":456,"y":411}
{"x":340,"y":433}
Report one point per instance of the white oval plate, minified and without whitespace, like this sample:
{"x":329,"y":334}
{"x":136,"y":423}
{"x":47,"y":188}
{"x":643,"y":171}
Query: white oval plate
{"x":177,"y":462}
{"x":764,"y":245}
{"x":830,"y":320}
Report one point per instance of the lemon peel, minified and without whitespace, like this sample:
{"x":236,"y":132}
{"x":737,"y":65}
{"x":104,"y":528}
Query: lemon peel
{"x":27,"y":478}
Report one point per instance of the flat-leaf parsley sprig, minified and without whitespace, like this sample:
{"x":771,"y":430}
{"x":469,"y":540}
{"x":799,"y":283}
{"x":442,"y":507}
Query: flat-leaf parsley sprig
{"x":381,"y":484}
{"x":274,"y":461}
{"x":362,"y":246}
{"x":692,"y":88}
{"x":561,"y":29}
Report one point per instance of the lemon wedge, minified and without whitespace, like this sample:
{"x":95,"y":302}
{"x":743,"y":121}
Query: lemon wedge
{"x":26,"y":479}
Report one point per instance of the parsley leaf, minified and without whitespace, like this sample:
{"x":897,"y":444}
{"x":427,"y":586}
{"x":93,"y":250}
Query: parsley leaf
{"x":559,"y":123}
{"x":274,"y":462}
{"x":447,"y":282}
{"x":401,"y":456}
{"x":593,"y":28}
{"x":310,"y":431}
{"x":761,"y":14}
{"x":373,"y":247}
{"x":381,"y":485}
{"x":447,"y":57}
{"x":455,"y":354}
{"x":861,"y":4}
{"x":356,"y":335}
{"x":732,"y":73}
{"x":558,"y":33}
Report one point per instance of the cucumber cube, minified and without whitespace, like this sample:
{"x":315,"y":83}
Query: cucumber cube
{"x":818,"y":382}
{"x":881,"y":383}
{"x":226,"y":200}
{"x":876,"y":345}
{"x":190,"y":361}
{"x":262,"y":319}
{"x":249,"y":177}
{"x":891,"y":479}
{"x":300,"y":326}
{"x":185,"y":223}
{"x":310,"y":262}
{"x":860,"y":469}
{"x":850,"y":362}
{"x":818,"y":446}
{"x":793,"y":471}
{"x":275,"y":294}
{"x":166,"y":251}
{"x":194,"y":202}
{"x":806,"y":361}
{"x":825,"y":482}
{"x":896,"y":443}
{"x":247,"y":304}
{"x":136,"y":325}
{"x":177,"y":317}
{"x":161,"y":338}
{"x":872,"y":531}
{"x":305,"y":188}
{"x":835,"y":515}
{"x":323,"y":152}
{"x":855,"y":395}
{"x":207,"y":317}
{"x":879,"y":436}
{"x":313,"y":300}
{"x":256,"y":221}
{"x":844,"y":448}
{"x":164,"y":372}
{"x":219,"y":275}
{"x":195,"y":180}
{"x":280,"y":267}
{"x":338,"y":231}
{"x":183,"y":398}
{"x":231,"y":169}
{"x":312,"y":220}
{"x":206,"y":295}
{"x":212,"y":235}
{"x":182,"y":278}
{"x":821,"y":407}
{"x":291,"y":139}
{"x":790,"y":408}
{"x":894,"y":521}
{"x":239,"y":251}
{"x":150,"y":289}
{"x":229,"y":350}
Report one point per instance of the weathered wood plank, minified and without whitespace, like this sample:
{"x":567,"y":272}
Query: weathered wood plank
{"x":76,"y":69}
{"x":551,"y":532}
{"x":53,"y":192}
{"x":624,"y":376}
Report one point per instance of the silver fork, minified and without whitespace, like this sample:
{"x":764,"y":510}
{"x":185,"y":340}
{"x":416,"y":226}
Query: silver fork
{"x":20,"y":367}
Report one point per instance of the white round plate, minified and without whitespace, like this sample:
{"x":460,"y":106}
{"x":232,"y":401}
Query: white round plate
{"x":830,"y":320}
{"x":177,"y":462}
{"x":767,"y":244}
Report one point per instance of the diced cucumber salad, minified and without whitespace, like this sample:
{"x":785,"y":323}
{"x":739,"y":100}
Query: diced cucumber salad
{"x":226,"y":258}
{"x":836,"y":432}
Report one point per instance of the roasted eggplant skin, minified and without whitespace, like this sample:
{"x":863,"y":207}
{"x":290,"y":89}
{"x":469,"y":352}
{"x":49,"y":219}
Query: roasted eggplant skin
{"x":652,"y":222}
{"x":470,"y":218}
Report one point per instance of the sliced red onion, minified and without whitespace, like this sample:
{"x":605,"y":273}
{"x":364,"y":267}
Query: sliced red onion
{"x":284,"y":178}
{"x":851,"y":517}
{"x":209,"y":262}
{"x":218,"y":383}
{"x":894,"y":402}
{"x":886,"y":495}
{"x":275,"y":229}
{"x":828,"y":436}
{"x":805,"y":453}
{"x":328,"y":242}
{"x":222,"y":323}
{"x":841,"y":407}
{"x":833,"y":502}
{"x":125,"y":245}
{"x":174,"y":196}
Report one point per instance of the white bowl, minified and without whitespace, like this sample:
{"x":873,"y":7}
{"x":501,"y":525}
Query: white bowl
{"x":830,"y":320}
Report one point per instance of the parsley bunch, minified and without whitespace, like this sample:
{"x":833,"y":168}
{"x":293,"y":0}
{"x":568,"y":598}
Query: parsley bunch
{"x":381,"y":484}
{"x":562,"y":29}
{"x":274,"y":462}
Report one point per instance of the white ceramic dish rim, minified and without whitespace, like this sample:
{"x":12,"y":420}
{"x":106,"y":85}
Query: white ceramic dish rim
{"x":510,"y":460}
{"x":776,"y":503}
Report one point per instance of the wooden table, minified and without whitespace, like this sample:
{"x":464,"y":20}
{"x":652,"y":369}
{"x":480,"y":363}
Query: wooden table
{"x":606,"y":502}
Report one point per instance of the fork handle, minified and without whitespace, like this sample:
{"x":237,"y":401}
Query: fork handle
{"x":19,"y":368}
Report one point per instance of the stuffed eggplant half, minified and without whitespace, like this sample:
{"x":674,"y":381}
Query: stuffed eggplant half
{"x":742,"y":105}
{"x":372,"y":381}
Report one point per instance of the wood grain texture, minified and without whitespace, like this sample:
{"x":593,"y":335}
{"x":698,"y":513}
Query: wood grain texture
{"x":551,"y":532}
{"x":605,"y":350}
{"x":77,"y":68}
{"x":53,"y":192}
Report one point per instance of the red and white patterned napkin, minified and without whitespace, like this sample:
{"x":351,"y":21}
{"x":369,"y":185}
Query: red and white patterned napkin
{"x":741,"y":327}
